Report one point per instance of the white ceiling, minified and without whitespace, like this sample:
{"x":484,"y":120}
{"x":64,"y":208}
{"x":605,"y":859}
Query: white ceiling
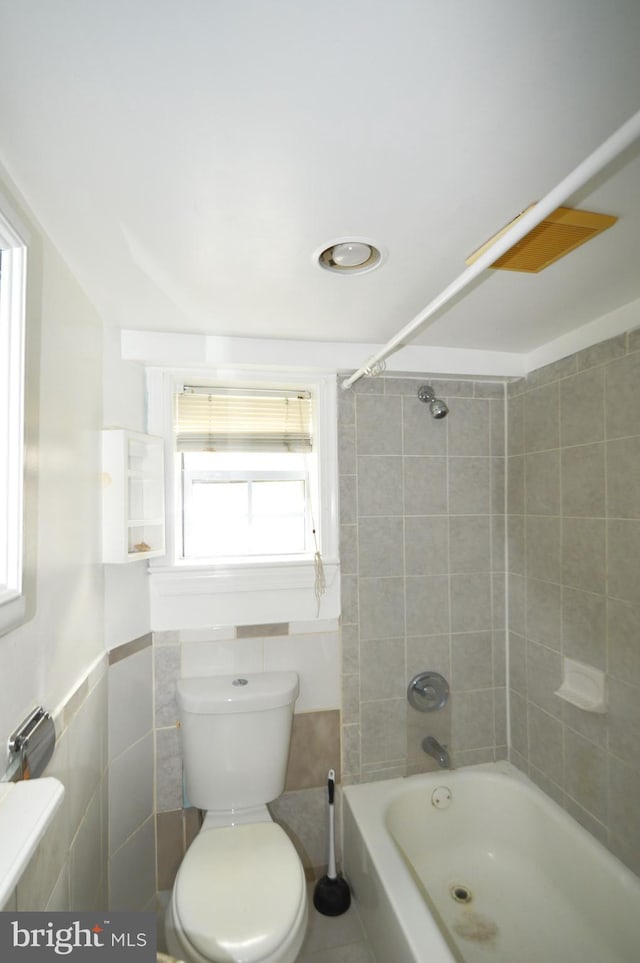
{"x":188,"y":158}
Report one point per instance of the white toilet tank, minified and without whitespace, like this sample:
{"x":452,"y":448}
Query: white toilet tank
{"x":235,"y":737}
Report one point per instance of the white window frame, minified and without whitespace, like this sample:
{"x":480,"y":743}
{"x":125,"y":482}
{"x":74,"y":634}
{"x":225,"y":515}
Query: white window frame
{"x":13,"y":243}
{"x":174,"y":581}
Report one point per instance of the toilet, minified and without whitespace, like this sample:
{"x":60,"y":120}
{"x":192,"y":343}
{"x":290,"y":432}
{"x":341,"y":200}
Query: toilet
{"x":239,"y":895}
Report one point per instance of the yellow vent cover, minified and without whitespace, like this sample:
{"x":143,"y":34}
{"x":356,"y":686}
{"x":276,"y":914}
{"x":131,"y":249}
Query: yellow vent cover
{"x":561,"y":231}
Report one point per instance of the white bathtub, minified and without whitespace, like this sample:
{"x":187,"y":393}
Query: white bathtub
{"x":540,"y":889}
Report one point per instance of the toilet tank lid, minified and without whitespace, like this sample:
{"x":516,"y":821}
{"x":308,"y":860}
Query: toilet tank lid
{"x":249,"y":692}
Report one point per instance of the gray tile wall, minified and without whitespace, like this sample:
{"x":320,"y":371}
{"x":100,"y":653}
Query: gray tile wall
{"x":574,"y":582}
{"x":422,"y":552}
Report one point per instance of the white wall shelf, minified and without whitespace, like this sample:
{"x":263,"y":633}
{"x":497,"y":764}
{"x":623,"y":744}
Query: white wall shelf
{"x":132,"y":496}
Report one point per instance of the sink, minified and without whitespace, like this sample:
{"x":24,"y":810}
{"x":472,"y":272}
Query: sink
{"x":26,"y":809}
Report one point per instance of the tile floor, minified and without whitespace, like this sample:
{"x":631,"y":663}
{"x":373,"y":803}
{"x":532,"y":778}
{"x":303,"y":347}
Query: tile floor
{"x":334,"y":939}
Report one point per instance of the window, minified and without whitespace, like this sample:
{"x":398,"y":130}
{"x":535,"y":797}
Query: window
{"x":251,"y":496}
{"x":12,"y":340}
{"x":246,"y":462}
{"x":249,"y":505}
{"x":251,"y":466}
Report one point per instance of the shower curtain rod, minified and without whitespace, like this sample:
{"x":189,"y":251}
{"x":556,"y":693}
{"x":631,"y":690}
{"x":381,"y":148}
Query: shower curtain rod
{"x":595,"y":162}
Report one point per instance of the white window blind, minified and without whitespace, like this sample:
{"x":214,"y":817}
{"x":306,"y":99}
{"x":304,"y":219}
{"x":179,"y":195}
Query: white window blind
{"x":231,"y":419}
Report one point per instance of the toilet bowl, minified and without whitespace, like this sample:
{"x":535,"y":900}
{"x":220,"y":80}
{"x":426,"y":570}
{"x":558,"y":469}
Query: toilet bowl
{"x":240,"y":893}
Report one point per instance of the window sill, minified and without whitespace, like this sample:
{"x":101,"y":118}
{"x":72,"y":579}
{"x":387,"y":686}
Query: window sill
{"x":245,"y":576}
{"x":280,"y":591}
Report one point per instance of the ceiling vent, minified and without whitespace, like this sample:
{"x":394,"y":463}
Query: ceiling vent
{"x":561,"y":231}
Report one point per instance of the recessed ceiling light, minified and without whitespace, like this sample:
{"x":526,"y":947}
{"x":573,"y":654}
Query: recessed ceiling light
{"x":350,"y":256}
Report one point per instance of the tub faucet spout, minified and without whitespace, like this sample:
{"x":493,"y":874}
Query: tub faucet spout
{"x":433,"y":748}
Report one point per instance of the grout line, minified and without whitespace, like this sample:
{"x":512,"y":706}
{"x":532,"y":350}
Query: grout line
{"x":507,"y":574}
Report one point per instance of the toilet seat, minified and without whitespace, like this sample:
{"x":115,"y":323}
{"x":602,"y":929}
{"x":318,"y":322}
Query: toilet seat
{"x":240,"y":894}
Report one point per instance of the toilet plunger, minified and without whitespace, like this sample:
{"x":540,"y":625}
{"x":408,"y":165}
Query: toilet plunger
{"x":332,"y":896}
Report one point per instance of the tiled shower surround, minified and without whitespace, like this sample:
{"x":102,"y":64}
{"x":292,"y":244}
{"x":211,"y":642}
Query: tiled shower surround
{"x":574,"y":577}
{"x":423,"y":569}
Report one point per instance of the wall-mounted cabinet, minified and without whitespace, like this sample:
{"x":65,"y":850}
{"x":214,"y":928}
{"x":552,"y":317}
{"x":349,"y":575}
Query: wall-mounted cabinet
{"x":133,"y":496}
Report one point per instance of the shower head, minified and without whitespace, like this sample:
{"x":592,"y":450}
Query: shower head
{"x":437,"y":407}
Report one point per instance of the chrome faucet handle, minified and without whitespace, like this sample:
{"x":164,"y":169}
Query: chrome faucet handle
{"x":428,"y":691}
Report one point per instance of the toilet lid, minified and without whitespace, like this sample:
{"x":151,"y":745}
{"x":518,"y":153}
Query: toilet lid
{"x":238,"y":891}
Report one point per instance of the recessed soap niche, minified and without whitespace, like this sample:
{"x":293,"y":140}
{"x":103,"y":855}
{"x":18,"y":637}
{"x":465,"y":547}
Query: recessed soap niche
{"x":583,"y":686}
